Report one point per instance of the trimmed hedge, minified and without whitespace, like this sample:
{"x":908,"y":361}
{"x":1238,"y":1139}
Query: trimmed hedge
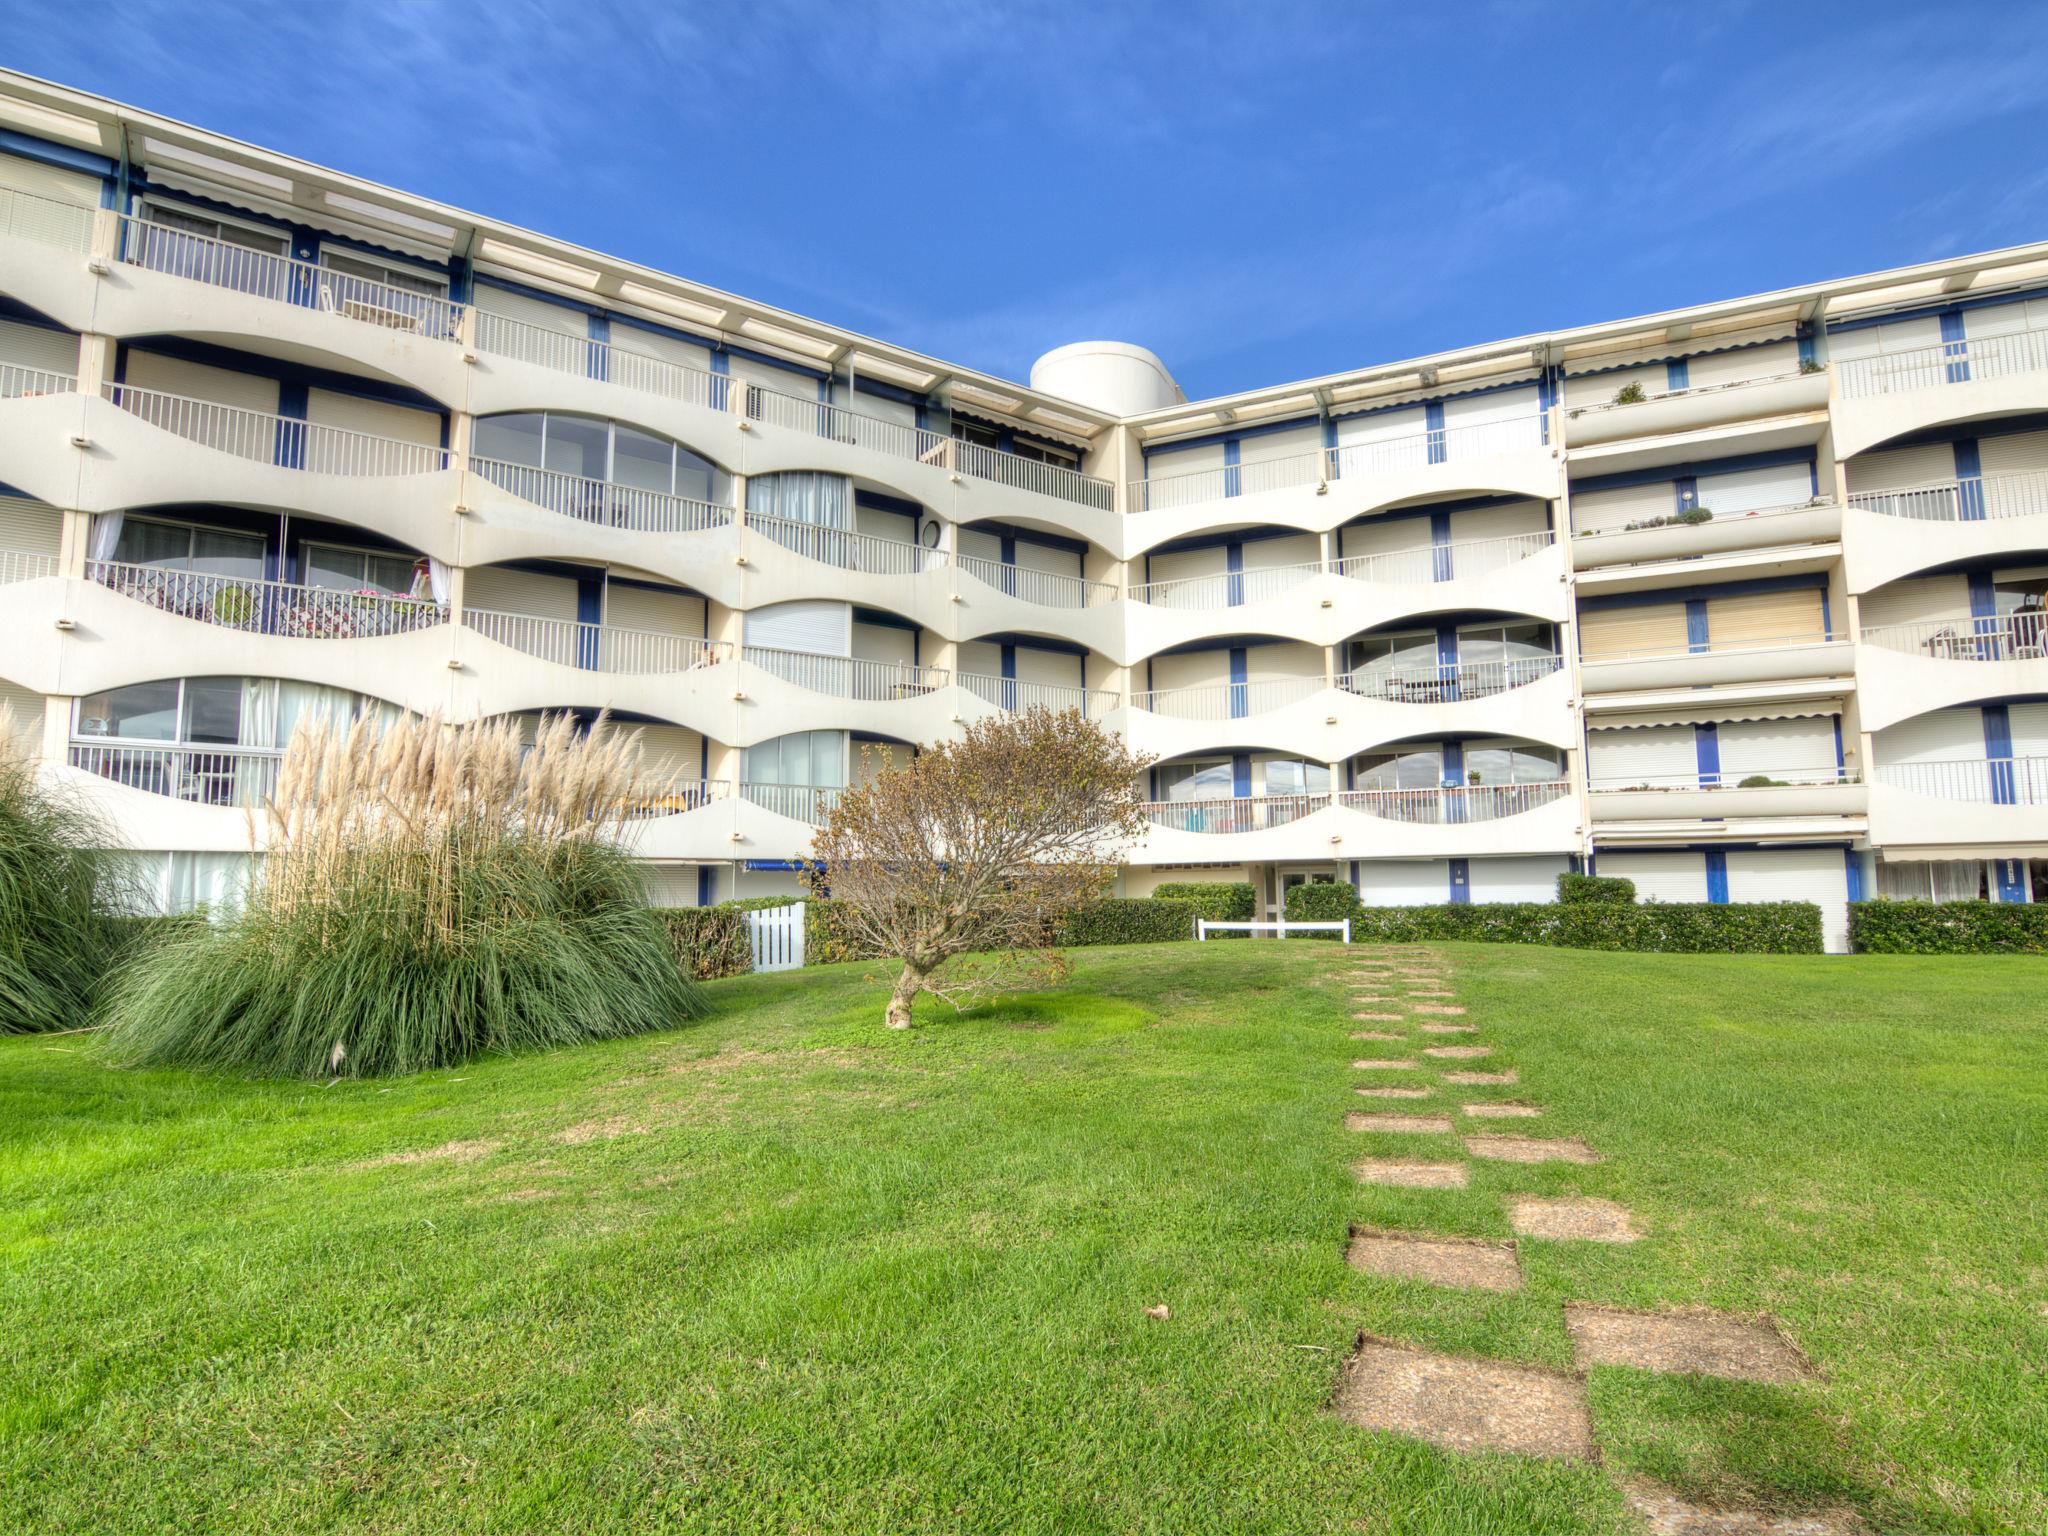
{"x":1221,"y":901}
{"x":710,"y":942}
{"x":1132,"y":920}
{"x":1581,"y":888}
{"x":1948,"y":928}
{"x":1762,"y":927}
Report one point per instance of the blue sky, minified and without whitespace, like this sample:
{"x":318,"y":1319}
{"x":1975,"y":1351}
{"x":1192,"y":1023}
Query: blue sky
{"x":1257,"y":192}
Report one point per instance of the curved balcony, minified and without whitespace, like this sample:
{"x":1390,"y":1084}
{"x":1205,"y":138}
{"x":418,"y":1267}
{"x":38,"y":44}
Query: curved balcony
{"x":46,"y":241}
{"x":807,"y":803}
{"x":1889,"y":534}
{"x":1772,"y":797}
{"x":1442,"y":684}
{"x":279,"y":608}
{"x":1815,"y":521}
{"x":171,"y":280}
{"x":1318,"y":491}
{"x":1454,"y":805}
{"x":1693,"y":409}
{"x":848,"y":677}
{"x":25,"y":565}
{"x":596,"y":647}
{"x":1246,"y":813}
{"x":603,"y":503}
{"x":1975,"y":806}
{"x":1227,"y":701}
{"x":1459,"y":822}
{"x":1043,"y":589}
{"x":242,"y":778}
{"x":1759,"y":660}
{"x":1913,"y":668}
{"x":1880,"y":398}
{"x":1011,"y":695}
{"x":21,"y":383}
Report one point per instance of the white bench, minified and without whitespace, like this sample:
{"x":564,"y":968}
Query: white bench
{"x":1203,"y":928}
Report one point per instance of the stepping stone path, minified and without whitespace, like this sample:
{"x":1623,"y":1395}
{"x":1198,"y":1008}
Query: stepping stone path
{"x":1480,"y":1079}
{"x":1376,"y":1034}
{"x":1399,"y":1175}
{"x":1502,"y":1111}
{"x":1392,"y":1093}
{"x":1377,"y":1018}
{"x":1375,"y":1064}
{"x":1458,"y":1052}
{"x":1448,"y":1029}
{"x":1465,"y":1405}
{"x":1439,"y":1010}
{"x":1693,"y":1343}
{"x":1572,"y":1218}
{"x":1412,"y":1125}
{"x":1466,"y":1262}
{"x":1665,"y":1514}
{"x":1530,"y":1149}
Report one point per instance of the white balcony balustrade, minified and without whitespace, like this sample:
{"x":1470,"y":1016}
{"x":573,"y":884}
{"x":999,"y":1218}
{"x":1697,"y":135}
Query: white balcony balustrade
{"x":1227,"y":701}
{"x":849,"y":677}
{"x":25,"y":565}
{"x":676,"y":797}
{"x":1962,"y":501}
{"x":503,"y":336}
{"x":1430,"y":563}
{"x":19,"y":383}
{"x":980,"y":462}
{"x":1991,"y":637}
{"x":1601,"y":408}
{"x":1047,"y":589}
{"x":1247,"y":813}
{"x":1226,"y":589}
{"x":46,"y":220}
{"x":1454,"y":805}
{"x":268,"y":607}
{"x":1448,"y":684}
{"x":1973,"y":781}
{"x":285,"y":280}
{"x":1166,"y":492}
{"x":845,"y":550}
{"x":596,"y":647}
{"x":241,"y":777}
{"x":284,"y":441}
{"x":1970,"y":360}
{"x":799,"y":802}
{"x":1014,"y":694}
{"x":1745,"y":778}
{"x":603,"y":503}
{"x":1726,"y":647}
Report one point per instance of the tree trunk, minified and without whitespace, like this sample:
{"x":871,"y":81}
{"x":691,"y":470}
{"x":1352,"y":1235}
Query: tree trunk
{"x":908,"y":985}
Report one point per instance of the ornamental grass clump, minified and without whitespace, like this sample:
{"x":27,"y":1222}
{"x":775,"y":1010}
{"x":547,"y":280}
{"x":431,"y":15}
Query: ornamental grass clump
{"x":59,"y":898}
{"x":429,"y":893}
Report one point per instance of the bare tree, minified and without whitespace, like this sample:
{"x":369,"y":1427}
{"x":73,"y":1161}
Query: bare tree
{"x":984,"y":843}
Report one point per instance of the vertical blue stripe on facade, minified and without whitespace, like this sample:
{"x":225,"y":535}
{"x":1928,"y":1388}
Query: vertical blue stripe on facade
{"x":1233,"y":476}
{"x":1677,"y":375}
{"x":1461,"y":882}
{"x":1685,"y":493}
{"x":1447,"y":660}
{"x":1439,"y":546}
{"x":1241,"y":775}
{"x":291,"y":431}
{"x":1955,"y":348}
{"x":1852,"y":873}
{"x":1240,"y":670}
{"x":1706,"y":746}
{"x":1696,"y":624}
{"x":1969,"y":481}
{"x":2011,"y":875}
{"x":1717,"y":877}
{"x":1233,"y":584}
{"x":1433,"y":424}
{"x":1998,"y":753}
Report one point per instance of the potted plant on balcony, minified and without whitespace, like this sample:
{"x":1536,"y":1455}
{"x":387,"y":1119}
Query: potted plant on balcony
{"x":1630,"y":394}
{"x":232,"y":607}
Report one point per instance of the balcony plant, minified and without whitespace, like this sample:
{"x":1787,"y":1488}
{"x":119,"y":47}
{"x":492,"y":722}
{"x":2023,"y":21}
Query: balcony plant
{"x":1809,"y":366}
{"x":431,"y":893}
{"x":1630,"y":394}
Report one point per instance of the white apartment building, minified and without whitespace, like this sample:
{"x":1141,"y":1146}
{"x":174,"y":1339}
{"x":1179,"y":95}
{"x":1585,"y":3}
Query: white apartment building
{"x":1743,"y":601}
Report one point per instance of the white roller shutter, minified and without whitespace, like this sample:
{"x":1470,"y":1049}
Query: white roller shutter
{"x":900,"y":412}
{"x":1056,"y":668}
{"x":1750,"y":490}
{"x":884,"y":642}
{"x":1044,"y":557}
{"x":784,"y":381}
{"x":528,"y":310}
{"x":1168,"y":463}
{"x":1600,"y":511}
{"x":670,"y":885}
{"x":654,"y":344}
{"x":1919,"y":599}
{"x":1818,"y":875}
{"x":671,"y":751}
{"x":29,"y":526}
{"x":1659,"y":876}
{"x":75,"y":187}
{"x":1600,"y":388}
{"x":1892,"y":336}
{"x":221,"y":386}
{"x":2013,"y":453}
{"x":1941,"y":735}
{"x":1495,"y":406}
{"x":1383,"y":536}
{"x":1188,"y":564}
{"x":1780,"y":749}
{"x":1640,"y":629}
{"x":1756,"y":617}
{"x":1477,"y":523}
{"x":1659,"y":755}
{"x":1995,"y":320}
{"x":1272,"y":663}
{"x":1517,"y":879}
{"x":502,"y":590}
{"x":981,"y":658}
{"x":22,"y":709}
{"x":1715,"y":368}
{"x":884,"y":523}
{"x":1294,"y":443}
{"x":650,"y":608}
{"x":1404,"y":882}
{"x":979,"y":545}
{"x":1190,"y":669}
{"x":1271,"y":554}
{"x":1901,"y":468}
{"x":2029,"y":723}
{"x":1382,"y":440}
{"x":821,"y":628}
{"x":38,"y":347}
{"x":376,"y":418}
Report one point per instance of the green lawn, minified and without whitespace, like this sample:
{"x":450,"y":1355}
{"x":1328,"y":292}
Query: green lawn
{"x":788,"y":1272}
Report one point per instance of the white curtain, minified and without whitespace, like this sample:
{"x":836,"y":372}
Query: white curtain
{"x":106,"y":536}
{"x":803,"y":496}
{"x":437,"y":579}
{"x":259,"y":712}
{"x":217,"y":883}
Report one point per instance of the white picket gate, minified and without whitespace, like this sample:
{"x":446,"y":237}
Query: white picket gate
{"x":777,"y":937}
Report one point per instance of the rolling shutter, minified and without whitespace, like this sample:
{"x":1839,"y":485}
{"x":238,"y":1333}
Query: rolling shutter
{"x":1652,"y":754}
{"x":221,"y":386}
{"x":528,"y":310}
{"x":376,"y":418}
{"x":2029,"y":724}
{"x":1600,"y":388}
{"x":1044,"y":557}
{"x":668,"y":349}
{"x":1294,"y":443}
{"x":1750,"y":490}
{"x":821,"y":628}
{"x":38,"y":347}
{"x":1272,"y":554}
{"x":1404,"y":882}
{"x":783,"y":381}
{"x":2015,"y":453}
{"x":1918,"y":600}
{"x":1779,"y":749}
{"x":1516,"y":879}
{"x":671,"y":752}
{"x":885,"y":523}
{"x":1188,"y":563}
{"x":1056,"y":668}
{"x":1818,"y":875}
{"x":1650,"y":628}
{"x":884,"y":642}
{"x":1941,"y":735}
{"x":1602,"y":511}
{"x":501,"y":590}
{"x":1382,"y":440}
{"x":30,"y":526}
{"x":75,"y":187}
{"x":1269,"y":663}
{"x":1383,"y":536}
{"x":1477,"y":523}
{"x":22,"y":709}
{"x":670,"y":885}
{"x":979,"y":545}
{"x":980,"y":658}
{"x":1166,"y":463}
{"x":1190,"y":669}
{"x":1902,"y":468}
{"x":1743,"y":363}
{"x":1659,"y":876}
{"x":1757,"y":617}
{"x":661,"y":610}
{"x":1498,"y":405}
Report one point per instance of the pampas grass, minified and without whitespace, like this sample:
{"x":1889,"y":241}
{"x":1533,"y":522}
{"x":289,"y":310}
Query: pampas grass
{"x":431,"y":893}
{"x":57,"y":898}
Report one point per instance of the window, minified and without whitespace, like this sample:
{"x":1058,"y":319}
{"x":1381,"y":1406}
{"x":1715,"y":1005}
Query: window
{"x":186,"y":221}
{"x":1293,"y":776}
{"x":371,"y":270}
{"x":1197,"y":781}
{"x":257,"y":712}
{"x":184,"y":547}
{"x":816,"y":758}
{"x":139,"y":712}
{"x":1504,"y":642}
{"x":335,"y":569}
{"x":1512,"y":762}
{"x":1403,"y":655}
{"x":191,"y":244}
{"x":1405,"y":768}
{"x":593,"y":449}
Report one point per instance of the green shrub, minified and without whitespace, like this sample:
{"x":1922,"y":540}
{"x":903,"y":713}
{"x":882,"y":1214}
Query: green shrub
{"x":1327,"y":901}
{"x":1221,"y":901}
{"x":1759,"y":927}
{"x":1948,"y":928}
{"x":59,"y":894}
{"x":828,"y":936}
{"x":710,"y":942}
{"x":1132,"y":920}
{"x":1574,"y":888}
{"x":1630,"y":394}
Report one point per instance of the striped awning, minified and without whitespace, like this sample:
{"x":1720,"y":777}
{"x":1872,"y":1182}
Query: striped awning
{"x":1727,"y":714}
